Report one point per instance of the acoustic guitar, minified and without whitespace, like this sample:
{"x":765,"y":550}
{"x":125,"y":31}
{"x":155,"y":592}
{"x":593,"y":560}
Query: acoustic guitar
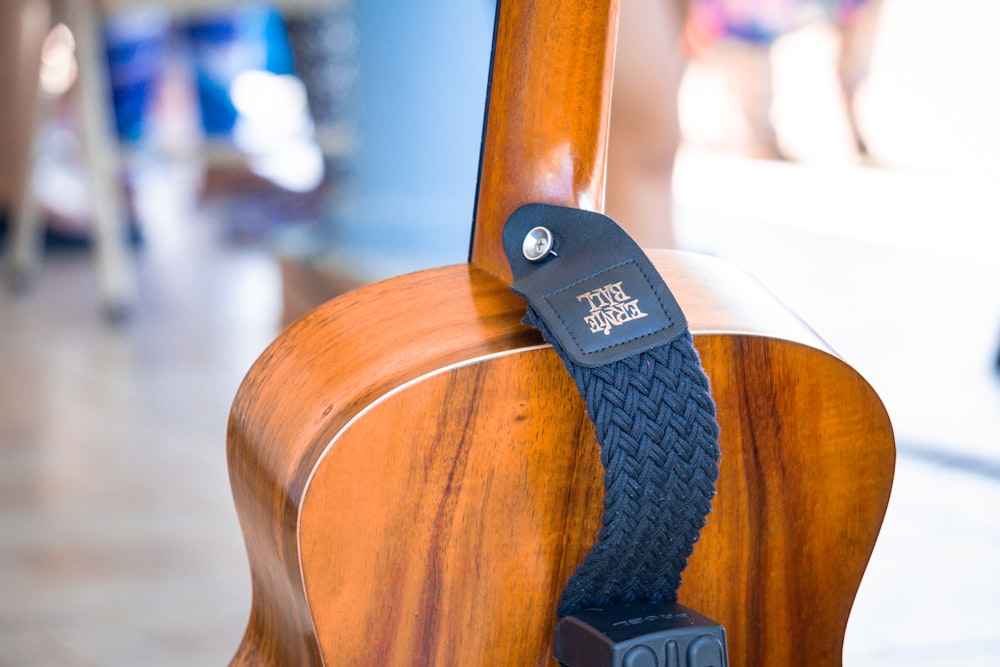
{"x":414,"y":471}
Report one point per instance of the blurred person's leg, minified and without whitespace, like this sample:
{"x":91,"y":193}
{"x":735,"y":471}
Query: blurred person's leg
{"x":858,"y":27}
{"x":747,"y":65}
{"x":645,"y":128}
{"x":23,"y":27}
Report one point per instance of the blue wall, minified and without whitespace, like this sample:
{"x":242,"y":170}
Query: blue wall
{"x":421,"y":99}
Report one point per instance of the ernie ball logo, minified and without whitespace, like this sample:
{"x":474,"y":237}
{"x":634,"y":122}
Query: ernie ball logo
{"x":610,"y":307}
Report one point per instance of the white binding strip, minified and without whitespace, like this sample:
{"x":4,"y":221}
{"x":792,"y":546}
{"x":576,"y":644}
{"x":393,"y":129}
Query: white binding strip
{"x":362,"y":412}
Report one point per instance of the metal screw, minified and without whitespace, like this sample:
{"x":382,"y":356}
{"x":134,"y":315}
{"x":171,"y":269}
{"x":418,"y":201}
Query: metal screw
{"x":537,"y":244}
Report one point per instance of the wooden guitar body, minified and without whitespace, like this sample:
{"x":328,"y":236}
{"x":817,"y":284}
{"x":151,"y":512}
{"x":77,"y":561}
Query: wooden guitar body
{"x":427,"y":508}
{"x":414,"y":471}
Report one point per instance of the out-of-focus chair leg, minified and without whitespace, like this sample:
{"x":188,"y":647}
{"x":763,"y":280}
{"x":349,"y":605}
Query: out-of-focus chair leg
{"x":102,"y":154}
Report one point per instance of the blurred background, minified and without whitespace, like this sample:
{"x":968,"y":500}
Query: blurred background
{"x":178,"y":180}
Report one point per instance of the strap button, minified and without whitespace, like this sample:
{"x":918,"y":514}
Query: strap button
{"x":537,"y":244}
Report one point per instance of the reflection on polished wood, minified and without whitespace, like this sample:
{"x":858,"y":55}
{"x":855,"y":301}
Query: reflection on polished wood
{"x":415,"y":473}
{"x":445,"y":500}
{"x":547,"y":115}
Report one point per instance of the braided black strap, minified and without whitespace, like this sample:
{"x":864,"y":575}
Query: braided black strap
{"x":655,"y":420}
{"x":602,"y":304}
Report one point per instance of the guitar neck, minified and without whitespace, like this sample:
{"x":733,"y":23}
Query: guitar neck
{"x":547,"y":117}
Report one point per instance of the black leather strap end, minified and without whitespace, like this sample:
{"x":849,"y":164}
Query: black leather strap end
{"x":596,"y":290}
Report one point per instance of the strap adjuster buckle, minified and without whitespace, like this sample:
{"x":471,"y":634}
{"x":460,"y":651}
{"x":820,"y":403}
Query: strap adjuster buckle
{"x":640,"y":634}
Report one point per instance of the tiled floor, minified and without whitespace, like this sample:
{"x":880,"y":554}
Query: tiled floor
{"x":119,"y":542}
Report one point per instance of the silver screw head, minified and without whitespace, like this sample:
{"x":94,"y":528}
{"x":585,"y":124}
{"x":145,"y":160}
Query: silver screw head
{"x":537,"y":244}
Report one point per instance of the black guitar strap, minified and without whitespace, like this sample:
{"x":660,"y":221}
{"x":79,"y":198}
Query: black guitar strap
{"x":597,"y":299}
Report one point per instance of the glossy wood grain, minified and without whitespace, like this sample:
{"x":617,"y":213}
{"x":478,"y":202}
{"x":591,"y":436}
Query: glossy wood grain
{"x":427,"y":507}
{"x":547,"y":116}
{"x":414,"y":471}
{"x":308,"y":385}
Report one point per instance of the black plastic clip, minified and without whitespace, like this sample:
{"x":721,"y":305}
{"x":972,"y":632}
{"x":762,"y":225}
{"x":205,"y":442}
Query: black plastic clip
{"x":640,"y":634}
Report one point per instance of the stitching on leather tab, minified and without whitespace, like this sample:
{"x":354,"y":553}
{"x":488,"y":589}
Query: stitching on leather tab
{"x":610,"y":306}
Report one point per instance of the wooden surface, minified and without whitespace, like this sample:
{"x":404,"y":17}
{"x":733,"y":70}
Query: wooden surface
{"x":443,"y":493}
{"x":547,"y":115}
{"x":414,"y":471}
